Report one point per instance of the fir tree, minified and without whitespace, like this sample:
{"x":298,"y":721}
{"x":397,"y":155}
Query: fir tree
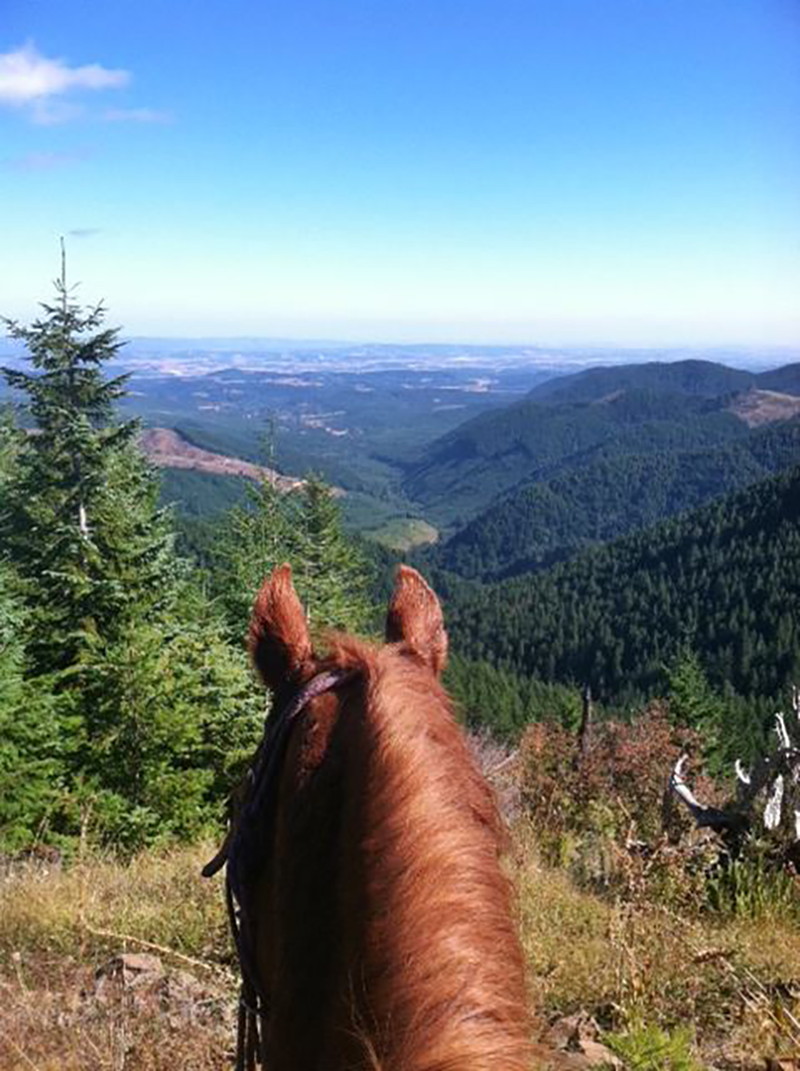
{"x":303,"y":528}
{"x":175,"y":715}
{"x":148,"y":709}
{"x":695,"y":704}
{"x":31,"y":774}
{"x":333,"y":576}
{"x":78,"y":521}
{"x":254,"y":538}
{"x":30,"y":771}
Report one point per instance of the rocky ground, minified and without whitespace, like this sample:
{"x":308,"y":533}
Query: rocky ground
{"x":107,"y":966}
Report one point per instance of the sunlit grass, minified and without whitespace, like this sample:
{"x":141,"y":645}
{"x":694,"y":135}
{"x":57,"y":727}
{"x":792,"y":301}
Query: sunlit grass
{"x":737,"y":982}
{"x":632,"y":967}
{"x":158,"y":897}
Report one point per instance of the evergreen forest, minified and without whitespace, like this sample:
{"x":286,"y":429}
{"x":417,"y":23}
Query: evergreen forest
{"x":626,"y":533}
{"x":127,"y":707}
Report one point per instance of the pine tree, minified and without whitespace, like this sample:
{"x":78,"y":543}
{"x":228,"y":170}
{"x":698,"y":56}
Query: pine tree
{"x":30,"y":770}
{"x":31,"y":773}
{"x":175,"y":714}
{"x":303,"y":528}
{"x":694,"y":703}
{"x":144,"y":709}
{"x":333,"y":576}
{"x":253,"y":539}
{"x":78,"y":521}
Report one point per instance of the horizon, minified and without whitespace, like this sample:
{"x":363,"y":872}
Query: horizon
{"x":464,"y":173}
{"x":230,"y":342}
{"x":251,"y":344}
{"x":199,"y":356}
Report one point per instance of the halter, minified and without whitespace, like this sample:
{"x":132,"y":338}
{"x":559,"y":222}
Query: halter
{"x":246,"y":851}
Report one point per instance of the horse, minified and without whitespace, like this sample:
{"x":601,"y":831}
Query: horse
{"x":374,"y":919}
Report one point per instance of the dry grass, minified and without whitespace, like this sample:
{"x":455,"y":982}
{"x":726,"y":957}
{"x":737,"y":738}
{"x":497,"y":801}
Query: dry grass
{"x":158,"y":896}
{"x":55,"y":1023}
{"x":57,"y":928}
{"x":737,"y":983}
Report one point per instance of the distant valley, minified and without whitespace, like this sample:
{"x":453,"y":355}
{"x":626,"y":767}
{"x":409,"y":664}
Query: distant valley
{"x":508,"y":469}
{"x":536,"y":494}
{"x":512,"y":458}
{"x":501,"y":472}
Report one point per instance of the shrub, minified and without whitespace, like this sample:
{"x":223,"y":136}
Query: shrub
{"x":614,"y":785}
{"x":754,"y":887}
{"x":605,"y":813}
{"x":648,"y":1048}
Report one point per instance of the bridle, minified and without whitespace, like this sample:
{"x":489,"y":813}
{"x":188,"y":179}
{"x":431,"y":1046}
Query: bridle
{"x":246,"y":849}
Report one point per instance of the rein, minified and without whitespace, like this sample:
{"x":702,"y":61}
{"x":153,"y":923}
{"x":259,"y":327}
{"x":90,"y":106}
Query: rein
{"x":246,"y":851}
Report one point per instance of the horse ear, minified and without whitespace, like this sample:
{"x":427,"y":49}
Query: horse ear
{"x":415,"y":618}
{"x":278,"y":638}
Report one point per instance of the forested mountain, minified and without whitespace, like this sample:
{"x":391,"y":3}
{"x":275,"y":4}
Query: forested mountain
{"x":786,"y":379}
{"x":462,"y":472}
{"x":607,"y":496}
{"x":724,"y":580}
{"x":705,"y":379}
{"x":562,"y":423}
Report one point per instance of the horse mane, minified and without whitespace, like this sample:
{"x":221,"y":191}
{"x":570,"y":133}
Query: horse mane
{"x":382,"y":925}
{"x":438,"y":899}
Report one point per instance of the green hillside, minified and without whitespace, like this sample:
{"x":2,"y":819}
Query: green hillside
{"x":460,"y":473}
{"x":785,"y":379}
{"x":608,"y":497}
{"x":200,"y":494}
{"x":563,"y":423}
{"x":705,"y":379}
{"x":724,"y":579}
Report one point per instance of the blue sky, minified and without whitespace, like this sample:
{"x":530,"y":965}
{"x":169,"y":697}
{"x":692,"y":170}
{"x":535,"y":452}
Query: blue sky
{"x":621,"y":171}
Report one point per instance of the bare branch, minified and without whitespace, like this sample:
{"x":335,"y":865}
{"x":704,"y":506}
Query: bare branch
{"x":678,"y":785}
{"x":780,"y":729}
{"x":705,"y":817}
{"x":772,"y":811}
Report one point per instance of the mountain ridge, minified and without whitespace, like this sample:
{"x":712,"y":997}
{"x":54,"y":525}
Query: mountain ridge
{"x":628,"y":409}
{"x":724,"y":579}
{"x":548,"y":520}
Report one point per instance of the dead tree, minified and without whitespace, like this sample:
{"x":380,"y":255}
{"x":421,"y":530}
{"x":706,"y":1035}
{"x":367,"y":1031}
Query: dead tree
{"x":768,"y":796}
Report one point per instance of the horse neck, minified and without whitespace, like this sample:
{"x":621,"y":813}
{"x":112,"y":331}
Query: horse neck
{"x":429,"y":920}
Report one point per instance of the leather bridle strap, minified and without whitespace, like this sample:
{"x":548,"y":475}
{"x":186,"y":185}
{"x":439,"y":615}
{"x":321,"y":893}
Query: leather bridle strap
{"x":246,"y":851}
{"x":247,"y":854}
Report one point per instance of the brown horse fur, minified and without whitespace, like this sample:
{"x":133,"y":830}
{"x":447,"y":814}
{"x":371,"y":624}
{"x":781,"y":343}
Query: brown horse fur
{"x":385,"y":933}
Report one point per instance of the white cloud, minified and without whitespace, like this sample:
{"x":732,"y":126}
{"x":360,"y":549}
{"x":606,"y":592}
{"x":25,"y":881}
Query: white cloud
{"x":27,"y":78}
{"x":51,"y":112}
{"x":45,"y":161}
{"x":136,"y":115}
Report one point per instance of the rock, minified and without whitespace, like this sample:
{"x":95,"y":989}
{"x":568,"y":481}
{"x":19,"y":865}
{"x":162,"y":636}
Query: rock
{"x":599,"y":1055}
{"x":126,"y":976}
{"x":132,"y":968}
{"x":570,"y":1030}
{"x":577,"y":1035}
{"x":145,"y":986}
